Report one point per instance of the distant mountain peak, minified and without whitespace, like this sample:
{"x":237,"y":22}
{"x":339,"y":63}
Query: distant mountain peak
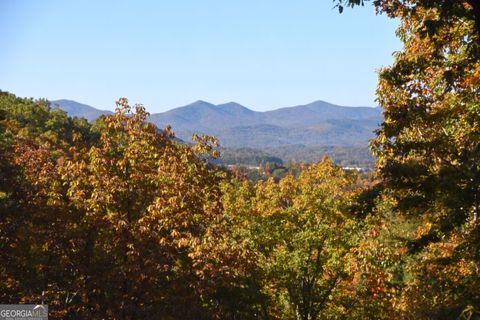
{"x":65,"y":100}
{"x":313,"y":124}
{"x":322,"y":103}
{"x":231,"y":104}
{"x":235,"y":107}
{"x":200,"y":102}
{"x":76,"y":109}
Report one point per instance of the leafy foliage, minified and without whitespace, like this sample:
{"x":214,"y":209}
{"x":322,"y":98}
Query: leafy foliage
{"x":119,"y":220}
{"x":428,"y":149}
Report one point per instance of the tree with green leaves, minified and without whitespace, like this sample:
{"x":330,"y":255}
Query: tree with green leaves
{"x":301,"y":236}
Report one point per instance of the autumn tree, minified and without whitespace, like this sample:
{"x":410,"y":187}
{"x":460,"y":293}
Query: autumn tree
{"x":110,"y":220}
{"x":428,"y":147}
{"x":26,"y":136}
{"x":230,"y":260}
{"x":145,"y":202}
{"x":301,"y":235}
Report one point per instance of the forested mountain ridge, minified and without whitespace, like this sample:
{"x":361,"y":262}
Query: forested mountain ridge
{"x":314,"y":124}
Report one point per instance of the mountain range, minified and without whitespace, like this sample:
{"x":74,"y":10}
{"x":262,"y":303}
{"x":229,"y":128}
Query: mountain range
{"x":76,"y":109}
{"x":315,"y":124}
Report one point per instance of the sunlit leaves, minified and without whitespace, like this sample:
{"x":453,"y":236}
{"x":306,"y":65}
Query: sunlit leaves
{"x":301,"y":236}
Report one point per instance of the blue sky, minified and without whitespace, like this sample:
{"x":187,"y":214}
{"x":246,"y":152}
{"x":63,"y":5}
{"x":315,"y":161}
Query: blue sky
{"x":263,"y":54}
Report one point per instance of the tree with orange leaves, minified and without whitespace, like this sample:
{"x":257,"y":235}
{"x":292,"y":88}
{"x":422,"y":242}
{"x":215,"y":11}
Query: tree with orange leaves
{"x":428,"y":148}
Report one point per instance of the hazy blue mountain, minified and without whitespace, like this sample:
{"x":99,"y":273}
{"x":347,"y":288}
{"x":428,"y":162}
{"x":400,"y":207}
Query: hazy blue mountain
{"x":75,"y":109}
{"x":319,"y":111}
{"x":316,"y":124}
{"x":341,"y":132}
{"x":207,"y":117}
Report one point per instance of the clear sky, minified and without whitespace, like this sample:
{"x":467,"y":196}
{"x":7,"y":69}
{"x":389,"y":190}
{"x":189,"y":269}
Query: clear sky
{"x":264,"y":54}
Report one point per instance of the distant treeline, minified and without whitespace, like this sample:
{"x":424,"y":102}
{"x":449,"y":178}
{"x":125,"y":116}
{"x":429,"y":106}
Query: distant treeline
{"x":360,"y":157}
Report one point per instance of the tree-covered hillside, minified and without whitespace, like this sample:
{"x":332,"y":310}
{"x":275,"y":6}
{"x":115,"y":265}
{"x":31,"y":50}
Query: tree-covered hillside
{"x":315,"y":124}
{"x":355,"y":157}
